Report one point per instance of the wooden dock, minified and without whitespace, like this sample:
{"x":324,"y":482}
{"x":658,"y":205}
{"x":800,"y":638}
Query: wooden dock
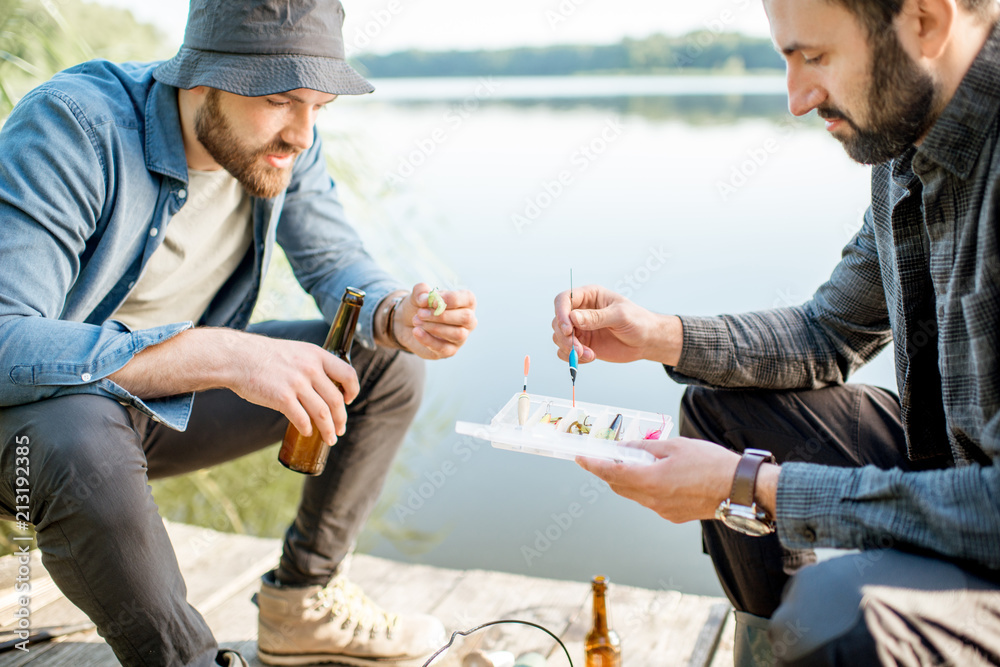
{"x":658,"y":628}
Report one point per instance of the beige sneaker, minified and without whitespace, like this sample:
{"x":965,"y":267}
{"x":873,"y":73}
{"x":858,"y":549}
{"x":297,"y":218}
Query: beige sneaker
{"x":339,"y":623}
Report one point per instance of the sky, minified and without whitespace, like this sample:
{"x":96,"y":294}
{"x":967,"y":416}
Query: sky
{"x":382,"y":26}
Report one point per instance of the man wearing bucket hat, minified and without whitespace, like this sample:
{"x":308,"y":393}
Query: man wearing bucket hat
{"x":140,"y":206}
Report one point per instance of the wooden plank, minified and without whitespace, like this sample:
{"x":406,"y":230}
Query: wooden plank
{"x":214,"y":566}
{"x":481,"y":596}
{"x":637,"y":615}
{"x":724,"y":652}
{"x":658,"y":628}
{"x":708,"y":639}
{"x":43,"y":589}
{"x":677,"y":643}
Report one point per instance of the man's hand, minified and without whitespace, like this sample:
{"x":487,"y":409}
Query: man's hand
{"x":303,"y":381}
{"x":608,"y":326}
{"x":687,"y":483}
{"x":298,"y":379}
{"x":433,"y":336}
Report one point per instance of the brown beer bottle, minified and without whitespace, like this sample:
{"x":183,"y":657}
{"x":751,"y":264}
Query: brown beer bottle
{"x":308,"y":455}
{"x":603,"y":648}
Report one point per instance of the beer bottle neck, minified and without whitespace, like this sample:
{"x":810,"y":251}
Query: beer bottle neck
{"x":600,"y":612}
{"x":342,"y":332}
{"x":341,"y":335}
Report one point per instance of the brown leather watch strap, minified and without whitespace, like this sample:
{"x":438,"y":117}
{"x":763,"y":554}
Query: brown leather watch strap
{"x":745,"y":478}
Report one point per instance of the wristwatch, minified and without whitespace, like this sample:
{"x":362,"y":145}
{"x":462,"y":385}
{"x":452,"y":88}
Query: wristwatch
{"x":739,"y":511}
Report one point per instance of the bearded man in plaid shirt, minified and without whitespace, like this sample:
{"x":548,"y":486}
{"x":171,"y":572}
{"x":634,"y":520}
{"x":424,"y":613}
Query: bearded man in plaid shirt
{"x":913,"y":88}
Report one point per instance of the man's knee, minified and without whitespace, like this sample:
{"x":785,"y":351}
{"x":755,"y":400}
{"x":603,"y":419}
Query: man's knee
{"x":400,"y":387}
{"x":821,"y":618}
{"x":79,"y":448}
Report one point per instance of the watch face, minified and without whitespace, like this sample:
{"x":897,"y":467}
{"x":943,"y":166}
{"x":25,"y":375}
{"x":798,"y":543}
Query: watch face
{"x":744,"y":520}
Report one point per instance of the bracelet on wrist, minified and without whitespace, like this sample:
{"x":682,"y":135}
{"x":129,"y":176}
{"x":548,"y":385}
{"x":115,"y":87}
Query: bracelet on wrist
{"x":390,"y":331}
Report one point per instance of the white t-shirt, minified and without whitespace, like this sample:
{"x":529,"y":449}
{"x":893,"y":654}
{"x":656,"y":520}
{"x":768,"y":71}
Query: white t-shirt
{"x":205,"y":241}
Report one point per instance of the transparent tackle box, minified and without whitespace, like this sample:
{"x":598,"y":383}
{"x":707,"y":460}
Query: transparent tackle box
{"x":541,"y":434}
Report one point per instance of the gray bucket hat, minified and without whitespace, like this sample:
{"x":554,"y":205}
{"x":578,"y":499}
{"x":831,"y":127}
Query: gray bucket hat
{"x":263,"y":47}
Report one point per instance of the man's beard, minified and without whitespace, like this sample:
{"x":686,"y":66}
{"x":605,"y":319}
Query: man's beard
{"x":245,"y":164}
{"x":902,"y":105}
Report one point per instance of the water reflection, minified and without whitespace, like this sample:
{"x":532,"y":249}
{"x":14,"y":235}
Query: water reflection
{"x":691,"y":109}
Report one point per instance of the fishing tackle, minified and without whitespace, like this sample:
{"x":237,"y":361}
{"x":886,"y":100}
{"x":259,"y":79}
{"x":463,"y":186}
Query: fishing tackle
{"x":613,"y":432}
{"x":435,"y":301}
{"x":580,"y":429}
{"x":655,"y":434}
{"x":573,"y":359}
{"x":547,"y":418}
{"x":523,"y":401}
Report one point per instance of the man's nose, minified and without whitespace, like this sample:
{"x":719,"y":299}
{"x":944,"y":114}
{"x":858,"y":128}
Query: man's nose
{"x":804,"y":93}
{"x":299,"y":132}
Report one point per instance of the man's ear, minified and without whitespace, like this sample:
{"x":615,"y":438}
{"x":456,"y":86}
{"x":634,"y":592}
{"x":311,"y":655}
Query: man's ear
{"x":198,"y":92}
{"x":926,"y":26}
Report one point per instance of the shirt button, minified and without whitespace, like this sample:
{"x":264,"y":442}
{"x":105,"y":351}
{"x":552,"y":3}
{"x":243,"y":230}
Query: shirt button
{"x":154,"y":231}
{"x":809,"y":534}
{"x":131,"y":284}
{"x":182,"y":193}
{"x":86,"y":377}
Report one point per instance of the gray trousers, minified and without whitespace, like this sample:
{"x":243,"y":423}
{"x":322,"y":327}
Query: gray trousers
{"x":890,"y":606}
{"x":98,"y":529}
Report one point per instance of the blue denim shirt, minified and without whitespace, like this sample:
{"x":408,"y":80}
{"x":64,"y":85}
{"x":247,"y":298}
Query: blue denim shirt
{"x":93,"y":170}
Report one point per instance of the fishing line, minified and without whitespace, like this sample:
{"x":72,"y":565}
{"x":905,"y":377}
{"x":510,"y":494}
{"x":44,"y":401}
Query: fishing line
{"x":466,"y":633}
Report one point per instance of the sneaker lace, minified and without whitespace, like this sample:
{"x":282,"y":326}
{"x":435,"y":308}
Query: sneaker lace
{"x":348,"y":602}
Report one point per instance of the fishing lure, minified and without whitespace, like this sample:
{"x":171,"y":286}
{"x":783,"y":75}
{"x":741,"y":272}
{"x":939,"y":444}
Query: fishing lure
{"x":435,"y":301}
{"x":578,"y":428}
{"x":613,"y":432}
{"x":547,"y":418}
{"x":655,"y":434}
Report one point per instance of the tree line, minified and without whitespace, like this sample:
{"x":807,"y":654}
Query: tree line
{"x":702,"y":51}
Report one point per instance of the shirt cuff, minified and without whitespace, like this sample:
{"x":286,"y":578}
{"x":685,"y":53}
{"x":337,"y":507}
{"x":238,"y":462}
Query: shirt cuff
{"x":706,"y":352}
{"x":811,"y":509}
{"x":172,"y":411}
{"x":365,"y":333}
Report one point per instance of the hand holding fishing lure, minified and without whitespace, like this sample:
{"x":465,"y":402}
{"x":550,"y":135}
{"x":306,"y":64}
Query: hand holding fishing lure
{"x":430,"y":323}
{"x":600,"y":324}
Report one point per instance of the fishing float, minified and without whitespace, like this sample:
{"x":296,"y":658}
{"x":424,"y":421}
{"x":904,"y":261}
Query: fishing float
{"x":524,"y":401}
{"x":573,"y":358}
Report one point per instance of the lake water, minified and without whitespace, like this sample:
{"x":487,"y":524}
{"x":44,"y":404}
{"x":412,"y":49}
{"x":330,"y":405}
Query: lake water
{"x":690,"y":195}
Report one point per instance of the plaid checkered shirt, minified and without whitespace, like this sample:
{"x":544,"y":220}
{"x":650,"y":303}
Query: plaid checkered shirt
{"x":924,"y":272}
